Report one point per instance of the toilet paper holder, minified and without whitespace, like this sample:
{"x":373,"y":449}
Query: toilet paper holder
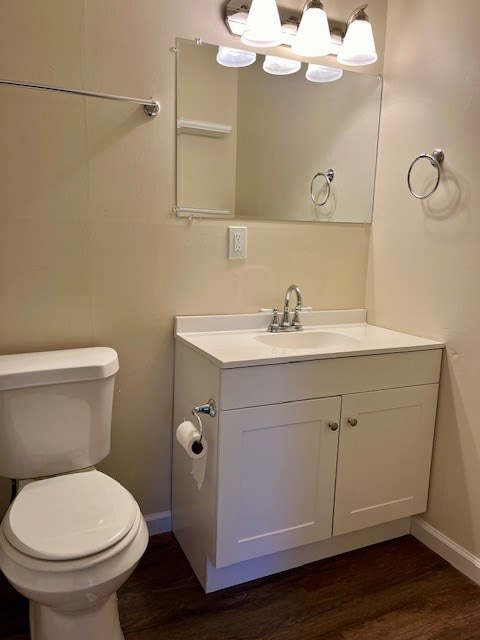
{"x":209,"y":408}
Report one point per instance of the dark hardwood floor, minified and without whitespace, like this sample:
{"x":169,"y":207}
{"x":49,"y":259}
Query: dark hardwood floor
{"x":397,"y":590}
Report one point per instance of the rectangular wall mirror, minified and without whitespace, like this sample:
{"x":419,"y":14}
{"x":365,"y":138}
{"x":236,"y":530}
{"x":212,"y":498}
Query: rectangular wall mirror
{"x":249,"y":143}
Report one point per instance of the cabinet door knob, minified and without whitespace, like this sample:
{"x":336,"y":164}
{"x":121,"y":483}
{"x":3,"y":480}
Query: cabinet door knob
{"x":352,"y":422}
{"x":333,"y":426}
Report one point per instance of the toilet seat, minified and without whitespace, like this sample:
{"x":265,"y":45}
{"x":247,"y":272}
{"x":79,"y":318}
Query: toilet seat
{"x":69,"y":517}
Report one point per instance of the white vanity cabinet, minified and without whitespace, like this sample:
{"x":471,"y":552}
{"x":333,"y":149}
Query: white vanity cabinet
{"x":306,"y":458}
{"x":276,"y":477}
{"x":299,"y":472}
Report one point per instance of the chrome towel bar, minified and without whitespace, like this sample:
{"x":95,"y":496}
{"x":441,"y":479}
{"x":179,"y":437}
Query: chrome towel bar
{"x":150,"y":106}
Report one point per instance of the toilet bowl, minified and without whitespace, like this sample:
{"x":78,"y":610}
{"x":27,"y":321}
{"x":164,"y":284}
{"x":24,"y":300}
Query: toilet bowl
{"x":67,"y":544}
{"x":72,"y":535}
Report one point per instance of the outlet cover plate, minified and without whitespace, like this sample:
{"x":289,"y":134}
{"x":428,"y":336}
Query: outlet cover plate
{"x":237,"y":243}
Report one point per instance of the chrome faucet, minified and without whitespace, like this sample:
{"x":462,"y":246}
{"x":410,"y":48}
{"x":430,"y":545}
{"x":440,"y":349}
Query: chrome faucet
{"x":295,"y":324}
{"x":286,"y":324}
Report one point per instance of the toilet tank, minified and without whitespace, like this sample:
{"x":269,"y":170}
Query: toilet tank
{"x":55,"y":410}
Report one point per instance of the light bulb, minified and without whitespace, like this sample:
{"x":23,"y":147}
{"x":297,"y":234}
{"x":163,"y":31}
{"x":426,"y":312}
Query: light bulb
{"x":319,"y":73}
{"x":280,"y":66}
{"x":313,"y":36}
{"x":229,"y":57}
{"x":358,"y":46}
{"x":263,"y":28}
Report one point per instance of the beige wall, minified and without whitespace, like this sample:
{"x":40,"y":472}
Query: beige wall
{"x":424,"y":274}
{"x":90,"y":253}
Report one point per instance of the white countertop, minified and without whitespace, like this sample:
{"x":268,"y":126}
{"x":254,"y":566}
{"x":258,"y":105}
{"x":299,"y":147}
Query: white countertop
{"x":242,"y":340}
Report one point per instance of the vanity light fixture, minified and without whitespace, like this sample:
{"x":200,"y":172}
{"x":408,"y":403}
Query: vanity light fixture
{"x":313,"y":35}
{"x":320,"y":73}
{"x":281,"y":66}
{"x":308,"y":32}
{"x":263,"y":27}
{"x":229,"y":57}
{"x":358,"y":46}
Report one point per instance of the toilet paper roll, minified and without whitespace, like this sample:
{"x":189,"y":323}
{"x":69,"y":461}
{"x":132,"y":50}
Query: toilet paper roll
{"x":188,"y":436}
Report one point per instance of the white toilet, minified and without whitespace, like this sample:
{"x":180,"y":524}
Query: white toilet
{"x":73,"y":535}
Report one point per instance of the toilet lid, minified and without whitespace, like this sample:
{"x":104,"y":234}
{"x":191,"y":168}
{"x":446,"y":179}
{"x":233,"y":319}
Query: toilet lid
{"x":69,"y":517}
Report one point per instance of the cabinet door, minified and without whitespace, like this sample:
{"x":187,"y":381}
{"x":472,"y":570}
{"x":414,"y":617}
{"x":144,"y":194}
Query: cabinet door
{"x":384,"y":459}
{"x":276,"y":478}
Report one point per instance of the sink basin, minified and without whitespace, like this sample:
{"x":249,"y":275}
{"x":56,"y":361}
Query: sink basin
{"x":309,"y":340}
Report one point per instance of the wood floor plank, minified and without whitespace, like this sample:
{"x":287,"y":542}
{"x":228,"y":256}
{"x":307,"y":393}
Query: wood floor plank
{"x":398,"y":590}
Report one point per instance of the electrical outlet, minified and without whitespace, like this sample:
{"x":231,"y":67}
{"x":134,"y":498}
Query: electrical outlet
{"x":237,"y":242}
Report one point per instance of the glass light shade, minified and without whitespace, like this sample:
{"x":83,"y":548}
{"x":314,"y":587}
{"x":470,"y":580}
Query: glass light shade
{"x":313,"y":36}
{"x":263,"y":28}
{"x":319,"y":73}
{"x":228,"y":57}
{"x":358,"y":46}
{"x":280,"y":66}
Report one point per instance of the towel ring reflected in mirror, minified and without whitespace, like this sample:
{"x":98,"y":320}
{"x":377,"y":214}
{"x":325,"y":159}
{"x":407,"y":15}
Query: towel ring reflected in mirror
{"x":328,"y":176}
{"x":436,"y":158}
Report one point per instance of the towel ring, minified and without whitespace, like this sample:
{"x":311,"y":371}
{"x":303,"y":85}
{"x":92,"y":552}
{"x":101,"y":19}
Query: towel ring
{"x":436,"y":158}
{"x":328,"y":176}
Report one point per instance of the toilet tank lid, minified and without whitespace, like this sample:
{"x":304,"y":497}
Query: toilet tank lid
{"x":56,"y":367}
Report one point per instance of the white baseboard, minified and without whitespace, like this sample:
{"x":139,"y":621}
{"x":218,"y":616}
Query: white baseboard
{"x":159,"y":522}
{"x":457,"y":556}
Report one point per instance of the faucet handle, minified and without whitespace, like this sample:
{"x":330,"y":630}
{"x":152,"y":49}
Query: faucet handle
{"x":296,"y":324}
{"x":274,"y":325}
